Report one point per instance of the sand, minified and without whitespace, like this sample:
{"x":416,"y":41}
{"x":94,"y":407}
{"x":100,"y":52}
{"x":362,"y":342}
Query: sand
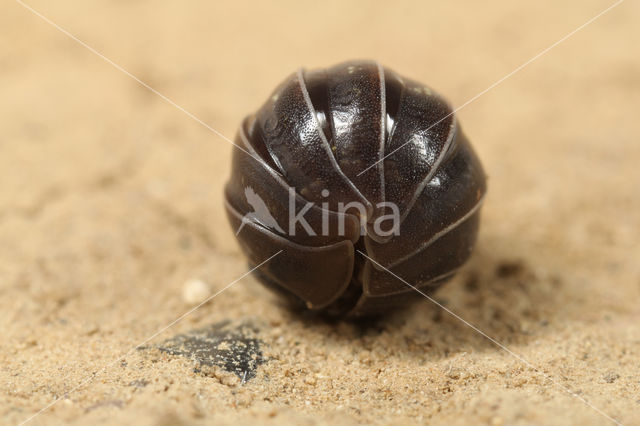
{"x":111,"y":209}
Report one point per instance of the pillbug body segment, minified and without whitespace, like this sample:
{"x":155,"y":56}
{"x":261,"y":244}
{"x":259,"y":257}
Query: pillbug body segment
{"x":354,"y":157}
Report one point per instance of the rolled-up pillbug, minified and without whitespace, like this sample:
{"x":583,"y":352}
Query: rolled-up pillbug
{"x":356,"y":174}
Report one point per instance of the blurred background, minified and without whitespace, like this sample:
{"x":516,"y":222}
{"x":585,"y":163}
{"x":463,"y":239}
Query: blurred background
{"x":111,"y":196}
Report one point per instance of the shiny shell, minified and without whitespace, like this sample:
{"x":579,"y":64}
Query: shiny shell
{"x":354,"y":133}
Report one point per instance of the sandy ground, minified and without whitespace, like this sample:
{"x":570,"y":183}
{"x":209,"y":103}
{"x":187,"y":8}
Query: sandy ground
{"x":111,"y":201}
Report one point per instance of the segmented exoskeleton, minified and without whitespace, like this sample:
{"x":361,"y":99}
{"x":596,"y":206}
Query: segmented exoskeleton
{"x":358,"y":135}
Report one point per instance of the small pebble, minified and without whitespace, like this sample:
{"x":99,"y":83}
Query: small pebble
{"x":195,"y":291}
{"x":611,"y":377}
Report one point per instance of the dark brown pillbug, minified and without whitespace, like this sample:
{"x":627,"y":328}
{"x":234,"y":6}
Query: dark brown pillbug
{"x":347,"y":164}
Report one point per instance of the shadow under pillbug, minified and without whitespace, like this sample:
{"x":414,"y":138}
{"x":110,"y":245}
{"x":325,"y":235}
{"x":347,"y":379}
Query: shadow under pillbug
{"x":332,"y":156}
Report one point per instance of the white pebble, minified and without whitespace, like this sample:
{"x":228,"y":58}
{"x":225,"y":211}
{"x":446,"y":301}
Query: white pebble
{"x":195,"y":291}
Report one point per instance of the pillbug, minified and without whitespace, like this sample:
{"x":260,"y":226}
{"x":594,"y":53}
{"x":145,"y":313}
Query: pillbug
{"x":350,"y":160}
